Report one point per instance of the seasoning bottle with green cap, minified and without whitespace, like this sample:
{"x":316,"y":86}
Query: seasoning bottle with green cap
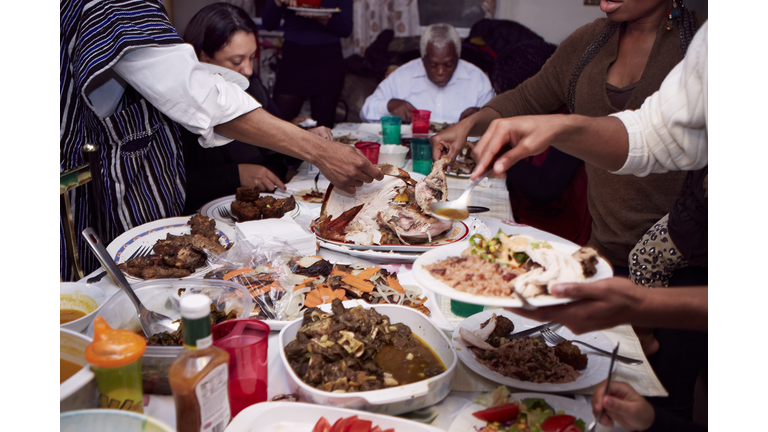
{"x":115,"y":358}
{"x":199,"y":376}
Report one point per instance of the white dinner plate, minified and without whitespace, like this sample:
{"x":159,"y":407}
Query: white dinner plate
{"x":457,"y":233}
{"x":211,"y":209}
{"x":426,"y":280}
{"x":465,"y":421}
{"x":148,"y":234}
{"x":229,"y":75}
{"x":357,"y":135}
{"x":302,"y":417}
{"x":314,"y":11}
{"x":597,"y":364}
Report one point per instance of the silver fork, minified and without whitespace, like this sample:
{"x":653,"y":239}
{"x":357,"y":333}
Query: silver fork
{"x":224,"y":212}
{"x":140,"y":252}
{"x":555,"y":339}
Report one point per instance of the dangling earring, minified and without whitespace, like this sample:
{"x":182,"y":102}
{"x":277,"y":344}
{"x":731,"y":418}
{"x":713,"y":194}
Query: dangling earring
{"x":674,"y":12}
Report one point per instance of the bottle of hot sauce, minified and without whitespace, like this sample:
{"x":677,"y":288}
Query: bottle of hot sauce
{"x":199,"y":375}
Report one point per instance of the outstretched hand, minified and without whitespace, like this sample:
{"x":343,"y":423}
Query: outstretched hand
{"x":509,"y":140}
{"x":347,"y":168}
{"x":449,"y":142}
{"x":602,"y":304}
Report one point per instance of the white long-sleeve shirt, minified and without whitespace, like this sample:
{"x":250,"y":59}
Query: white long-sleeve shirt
{"x":468,"y":87}
{"x":669,"y":131}
{"x":173,"y":81}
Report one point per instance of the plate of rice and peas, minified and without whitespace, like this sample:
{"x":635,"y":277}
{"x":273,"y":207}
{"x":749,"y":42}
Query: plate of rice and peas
{"x":483,"y":344}
{"x":494,"y":271}
{"x":500,"y":411}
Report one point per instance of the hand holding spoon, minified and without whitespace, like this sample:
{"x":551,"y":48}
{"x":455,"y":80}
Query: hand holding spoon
{"x":457,"y":209}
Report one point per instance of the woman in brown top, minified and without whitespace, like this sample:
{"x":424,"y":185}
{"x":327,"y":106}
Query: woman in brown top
{"x":604,"y":67}
{"x":607,"y":66}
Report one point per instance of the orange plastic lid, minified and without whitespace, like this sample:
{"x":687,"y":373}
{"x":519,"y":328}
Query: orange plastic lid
{"x":113,"y":348}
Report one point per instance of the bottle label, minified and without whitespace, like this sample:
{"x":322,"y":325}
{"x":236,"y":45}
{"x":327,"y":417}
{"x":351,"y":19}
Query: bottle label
{"x":213,"y":399}
{"x":197,"y":332}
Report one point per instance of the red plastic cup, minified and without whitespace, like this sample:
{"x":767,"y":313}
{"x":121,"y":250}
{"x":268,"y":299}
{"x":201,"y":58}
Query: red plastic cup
{"x":246,"y":341}
{"x":370,"y":150}
{"x":420,"y":121}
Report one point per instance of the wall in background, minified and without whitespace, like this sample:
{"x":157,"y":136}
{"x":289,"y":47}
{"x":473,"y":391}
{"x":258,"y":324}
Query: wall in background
{"x":554,"y":20}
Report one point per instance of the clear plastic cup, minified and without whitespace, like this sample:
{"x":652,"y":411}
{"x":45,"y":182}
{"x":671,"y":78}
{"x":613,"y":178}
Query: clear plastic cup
{"x":420,"y":121}
{"x":246,"y":341}
{"x":421,"y":152}
{"x":390,"y":129}
{"x":370,"y":150}
{"x":465,"y":309}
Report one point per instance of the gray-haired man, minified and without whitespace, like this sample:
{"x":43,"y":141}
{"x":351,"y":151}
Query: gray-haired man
{"x":439,"y":82}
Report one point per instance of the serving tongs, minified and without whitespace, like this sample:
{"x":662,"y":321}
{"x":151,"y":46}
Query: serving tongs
{"x":151,"y":322}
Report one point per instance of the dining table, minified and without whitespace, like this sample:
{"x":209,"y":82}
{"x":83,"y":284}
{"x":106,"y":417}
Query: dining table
{"x":491,"y":193}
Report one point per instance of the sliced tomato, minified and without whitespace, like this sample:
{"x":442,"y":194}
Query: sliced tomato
{"x":347,"y":423}
{"x":557,"y":423}
{"x":376,"y":429}
{"x":336,"y":425}
{"x":361,"y":426}
{"x":499,"y":414}
{"x":389,"y":430}
{"x":322,"y":425}
{"x":572,"y":428}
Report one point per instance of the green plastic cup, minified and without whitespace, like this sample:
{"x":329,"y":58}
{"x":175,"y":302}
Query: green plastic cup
{"x":421,"y":152}
{"x":465,"y":309}
{"x":390,"y":129}
{"x":120,"y":387}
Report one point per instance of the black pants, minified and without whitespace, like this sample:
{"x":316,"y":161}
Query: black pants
{"x":681,"y":355}
{"x":323,"y":107}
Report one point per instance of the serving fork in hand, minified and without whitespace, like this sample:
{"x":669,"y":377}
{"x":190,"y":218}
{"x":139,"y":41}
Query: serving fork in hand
{"x":555,"y":339}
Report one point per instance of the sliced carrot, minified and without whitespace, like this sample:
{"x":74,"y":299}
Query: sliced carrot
{"x":337,"y":272}
{"x":368,"y":273}
{"x":326,"y":293}
{"x":237,"y":272}
{"x":257,"y":291}
{"x":340,"y":294}
{"x":395,"y":284}
{"x":358,"y":283}
{"x":313,"y":299}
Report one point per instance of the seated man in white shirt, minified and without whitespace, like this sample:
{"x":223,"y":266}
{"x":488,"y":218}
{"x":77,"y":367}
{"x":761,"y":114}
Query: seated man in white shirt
{"x":438,"y":81}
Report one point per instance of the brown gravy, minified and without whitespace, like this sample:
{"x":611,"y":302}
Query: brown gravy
{"x":68,"y":369}
{"x":423,"y":364}
{"x":453,"y":213}
{"x":68,"y":315}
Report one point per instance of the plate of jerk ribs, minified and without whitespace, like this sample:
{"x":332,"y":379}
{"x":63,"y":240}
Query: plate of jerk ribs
{"x":389,"y":215}
{"x":180,"y":247}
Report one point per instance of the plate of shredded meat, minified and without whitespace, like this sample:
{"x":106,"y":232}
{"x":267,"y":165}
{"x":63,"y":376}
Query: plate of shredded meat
{"x":180,"y":247}
{"x":492,"y":271}
{"x":529,"y":363}
{"x":212,"y":208}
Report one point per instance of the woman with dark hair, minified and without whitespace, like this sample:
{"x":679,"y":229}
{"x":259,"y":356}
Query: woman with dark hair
{"x":610,"y":65}
{"x":312,"y":64}
{"x":224,"y":35}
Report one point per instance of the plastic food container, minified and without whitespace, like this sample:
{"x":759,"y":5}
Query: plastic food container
{"x":163,"y":296}
{"x":393,"y":154}
{"x":79,"y":391}
{"x":395,"y":400}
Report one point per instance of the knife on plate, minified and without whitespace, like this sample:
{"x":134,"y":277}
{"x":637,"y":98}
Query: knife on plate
{"x":530,"y":331}
{"x":477,"y":209}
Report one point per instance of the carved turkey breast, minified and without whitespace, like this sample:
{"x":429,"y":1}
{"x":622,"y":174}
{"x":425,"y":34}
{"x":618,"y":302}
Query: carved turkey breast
{"x":390,"y":211}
